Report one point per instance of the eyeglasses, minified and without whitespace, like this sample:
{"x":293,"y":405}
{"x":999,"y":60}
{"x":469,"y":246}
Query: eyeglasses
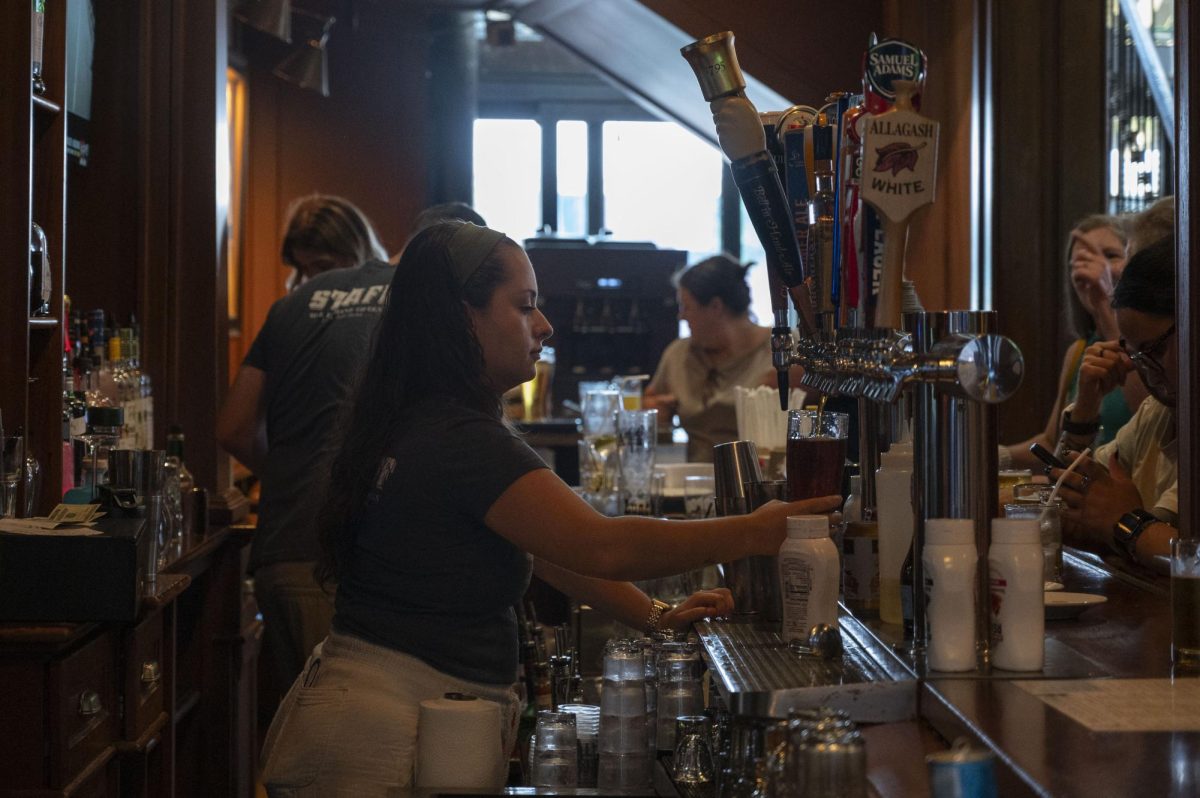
{"x":1148,"y":357}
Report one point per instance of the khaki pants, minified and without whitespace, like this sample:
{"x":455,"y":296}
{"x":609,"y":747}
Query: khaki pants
{"x":296,"y":615}
{"x":348,"y":726}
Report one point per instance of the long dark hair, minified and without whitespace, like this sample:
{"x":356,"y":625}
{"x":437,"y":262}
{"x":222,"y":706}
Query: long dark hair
{"x":424,"y":348}
{"x":719,"y":276}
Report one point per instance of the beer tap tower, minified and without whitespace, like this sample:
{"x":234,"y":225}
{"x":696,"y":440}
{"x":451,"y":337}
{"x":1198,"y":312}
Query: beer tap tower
{"x":953,"y":363}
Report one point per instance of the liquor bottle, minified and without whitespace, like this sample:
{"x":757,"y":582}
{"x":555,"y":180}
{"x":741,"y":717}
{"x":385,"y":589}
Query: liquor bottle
{"x":179,"y":482}
{"x":906,"y":594}
{"x":118,"y":354}
{"x":145,"y":388}
{"x":40,"y":275}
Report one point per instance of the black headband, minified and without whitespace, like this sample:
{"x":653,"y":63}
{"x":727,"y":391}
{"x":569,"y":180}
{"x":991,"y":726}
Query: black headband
{"x":469,"y":247}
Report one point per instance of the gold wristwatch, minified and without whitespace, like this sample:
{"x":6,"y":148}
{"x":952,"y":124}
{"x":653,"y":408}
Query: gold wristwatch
{"x":657,"y":608}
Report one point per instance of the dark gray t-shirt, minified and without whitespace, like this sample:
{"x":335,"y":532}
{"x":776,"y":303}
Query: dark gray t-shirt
{"x":313,"y":347}
{"x":426,"y":575}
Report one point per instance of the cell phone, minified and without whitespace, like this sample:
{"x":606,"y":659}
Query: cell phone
{"x":1046,"y":456}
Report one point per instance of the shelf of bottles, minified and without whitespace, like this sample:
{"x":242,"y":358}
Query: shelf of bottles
{"x":32,"y":241}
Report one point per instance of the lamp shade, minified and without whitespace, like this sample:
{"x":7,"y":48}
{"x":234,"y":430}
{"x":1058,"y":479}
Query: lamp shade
{"x":269,"y":16}
{"x":306,"y":66}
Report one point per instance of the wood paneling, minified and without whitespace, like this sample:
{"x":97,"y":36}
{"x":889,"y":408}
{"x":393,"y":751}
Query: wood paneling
{"x":800,"y":48}
{"x":1047,"y":99}
{"x":1187,"y":300}
{"x":369,"y":141}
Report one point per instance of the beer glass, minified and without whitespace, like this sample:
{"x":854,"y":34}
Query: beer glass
{"x":693,"y":753}
{"x":1032,"y":502}
{"x":637,"y":432}
{"x":555,"y":750}
{"x":1185,"y":604}
{"x":699,"y":496}
{"x":816,"y":453}
{"x":12,"y":469}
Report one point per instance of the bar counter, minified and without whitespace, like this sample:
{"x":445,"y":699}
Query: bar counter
{"x":1039,"y":750}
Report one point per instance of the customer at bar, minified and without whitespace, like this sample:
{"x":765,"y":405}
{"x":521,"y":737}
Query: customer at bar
{"x":1125,"y":495}
{"x":696,"y":375}
{"x":1095,"y":260}
{"x":280,"y":415}
{"x":437,"y":514}
{"x":442,"y":212}
{"x":1153,"y":224}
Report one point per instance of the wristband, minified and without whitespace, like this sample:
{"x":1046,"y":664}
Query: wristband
{"x":1080,"y":427}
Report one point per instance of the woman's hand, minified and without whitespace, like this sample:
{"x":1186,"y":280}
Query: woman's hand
{"x":773,"y":517}
{"x":1104,"y":367}
{"x":1092,"y":278}
{"x":714,"y":603}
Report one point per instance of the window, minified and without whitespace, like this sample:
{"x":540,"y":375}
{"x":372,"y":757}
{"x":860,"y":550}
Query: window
{"x":572,"y":165}
{"x":662,"y":184}
{"x":508,"y":175}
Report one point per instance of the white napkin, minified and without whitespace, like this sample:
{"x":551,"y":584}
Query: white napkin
{"x":759,"y":418}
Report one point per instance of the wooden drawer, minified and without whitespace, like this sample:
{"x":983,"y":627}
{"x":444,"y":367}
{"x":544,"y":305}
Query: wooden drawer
{"x":143,"y":663}
{"x":82,"y":707}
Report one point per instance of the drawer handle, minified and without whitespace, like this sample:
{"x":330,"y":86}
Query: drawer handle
{"x":89,"y":703}
{"x":151,"y":673}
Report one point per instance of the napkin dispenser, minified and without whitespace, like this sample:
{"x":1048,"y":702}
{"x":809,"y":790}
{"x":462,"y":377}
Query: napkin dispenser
{"x":55,"y":578}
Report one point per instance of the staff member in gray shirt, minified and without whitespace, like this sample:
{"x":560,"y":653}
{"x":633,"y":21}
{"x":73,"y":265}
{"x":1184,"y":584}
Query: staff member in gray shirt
{"x":280,"y":416}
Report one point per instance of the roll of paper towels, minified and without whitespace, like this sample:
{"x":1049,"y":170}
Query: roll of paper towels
{"x":459,"y":744}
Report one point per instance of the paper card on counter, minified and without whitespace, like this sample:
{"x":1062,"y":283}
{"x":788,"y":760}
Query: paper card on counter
{"x":1123,"y":705}
{"x":75,"y":513}
{"x":44,"y":526}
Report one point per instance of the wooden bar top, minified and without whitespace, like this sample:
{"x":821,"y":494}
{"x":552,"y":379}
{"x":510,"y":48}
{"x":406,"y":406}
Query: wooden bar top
{"x":1043,"y":751}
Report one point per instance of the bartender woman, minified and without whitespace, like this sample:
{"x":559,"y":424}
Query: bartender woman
{"x":438,"y":513}
{"x":696,"y":376}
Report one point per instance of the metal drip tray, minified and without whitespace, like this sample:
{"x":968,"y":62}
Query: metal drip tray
{"x":758,"y":675}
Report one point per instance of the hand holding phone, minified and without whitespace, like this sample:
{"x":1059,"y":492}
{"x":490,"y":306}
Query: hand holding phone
{"x":1046,"y":456}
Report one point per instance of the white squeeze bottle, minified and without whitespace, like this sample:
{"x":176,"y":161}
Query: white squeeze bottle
{"x":808,"y":576}
{"x":950,"y":562}
{"x":894,"y":513}
{"x":1018,"y":598}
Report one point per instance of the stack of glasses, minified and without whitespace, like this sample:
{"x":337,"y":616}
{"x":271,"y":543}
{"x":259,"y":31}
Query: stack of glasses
{"x":555,"y":750}
{"x":587,"y":730}
{"x":678,"y":688}
{"x":625,"y":759}
{"x":598,"y":474}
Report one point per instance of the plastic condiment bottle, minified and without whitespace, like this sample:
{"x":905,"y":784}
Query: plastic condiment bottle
{"x":894,"y":512}
{"x":1018,"y":598}
{"x":808,"y":576}
{"x":950,"y":561}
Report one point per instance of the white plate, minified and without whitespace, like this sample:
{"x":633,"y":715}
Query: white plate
{"x":1052,"y":586}
{"x":1061,"y":605}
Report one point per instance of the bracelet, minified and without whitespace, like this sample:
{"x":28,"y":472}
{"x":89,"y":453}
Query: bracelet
{"x":657,"y":608}
{"x":1080,"y":427}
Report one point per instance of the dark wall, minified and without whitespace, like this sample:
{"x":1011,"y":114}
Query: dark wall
{"x":1049,"y":166}
{"x":770,"y":34}
{"x":102,"y":227}
{"x":368,"y":141}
